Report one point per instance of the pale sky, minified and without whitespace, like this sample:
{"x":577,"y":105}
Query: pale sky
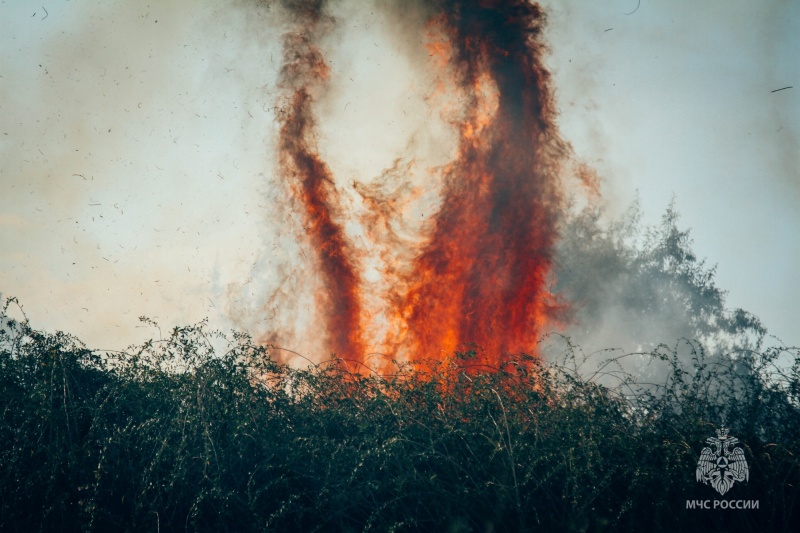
{"x":136,"y":164}
{"x":676,"y":99}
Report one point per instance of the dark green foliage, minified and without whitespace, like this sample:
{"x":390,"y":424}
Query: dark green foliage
{"x":201,"y":432}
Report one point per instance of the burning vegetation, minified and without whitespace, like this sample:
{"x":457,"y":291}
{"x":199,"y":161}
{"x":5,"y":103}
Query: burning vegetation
{"x":479,"y":273}
{"x":473,"y":417}
{"x":196,"y":431}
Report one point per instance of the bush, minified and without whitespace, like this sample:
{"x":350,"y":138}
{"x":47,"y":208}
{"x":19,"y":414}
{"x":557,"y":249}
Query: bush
{"x":206,"y":432}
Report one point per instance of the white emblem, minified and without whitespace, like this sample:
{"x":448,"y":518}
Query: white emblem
{"x":721,"y":466}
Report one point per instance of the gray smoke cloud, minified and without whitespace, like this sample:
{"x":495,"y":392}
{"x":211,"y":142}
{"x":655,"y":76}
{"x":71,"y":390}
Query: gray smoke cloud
{"x":637,"y":291}
{"x":138,"y":171}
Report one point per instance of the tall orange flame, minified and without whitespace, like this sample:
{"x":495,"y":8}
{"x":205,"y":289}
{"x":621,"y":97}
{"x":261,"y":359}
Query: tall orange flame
{"x":481,"y":275}
{"x":303,"y":73}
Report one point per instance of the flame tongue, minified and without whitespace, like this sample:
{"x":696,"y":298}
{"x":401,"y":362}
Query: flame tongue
{"x":480,"y":276}
{"x":304,"y":73}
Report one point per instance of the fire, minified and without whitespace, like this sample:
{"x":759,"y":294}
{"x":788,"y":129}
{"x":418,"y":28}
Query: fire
{"x":479,"y":275}
{"x":305,"y":73}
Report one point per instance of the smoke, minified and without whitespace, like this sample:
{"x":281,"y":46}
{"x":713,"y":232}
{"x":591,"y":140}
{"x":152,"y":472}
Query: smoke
{"x":376,"y":180}
{"x":502,"y":256}
{"x":130,"y":153}
{"x":482,"y":277}
{"x":303,"y":76}
{"x":639,"y":291}
{"x":477,"y":271}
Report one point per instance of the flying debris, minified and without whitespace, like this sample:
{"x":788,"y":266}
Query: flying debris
{"x":638,"y":3}
{"x":480,"y":273}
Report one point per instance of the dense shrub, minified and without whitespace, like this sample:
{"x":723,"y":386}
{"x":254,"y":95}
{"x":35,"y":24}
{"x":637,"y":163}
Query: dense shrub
{"x":203,"y":432}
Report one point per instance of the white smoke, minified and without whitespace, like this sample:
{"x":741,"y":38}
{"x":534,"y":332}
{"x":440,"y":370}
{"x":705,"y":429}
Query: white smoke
{"x":137,"y":172}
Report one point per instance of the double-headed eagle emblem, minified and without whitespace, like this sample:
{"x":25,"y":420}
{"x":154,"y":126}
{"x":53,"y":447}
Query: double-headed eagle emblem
{"x":722,"y":466}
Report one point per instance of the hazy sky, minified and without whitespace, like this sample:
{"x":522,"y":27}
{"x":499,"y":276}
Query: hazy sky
{"x":676,"y":99}
{"x":136,"y":159}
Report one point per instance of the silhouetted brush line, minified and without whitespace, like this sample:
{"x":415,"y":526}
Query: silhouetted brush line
{"x":179,"y":435}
